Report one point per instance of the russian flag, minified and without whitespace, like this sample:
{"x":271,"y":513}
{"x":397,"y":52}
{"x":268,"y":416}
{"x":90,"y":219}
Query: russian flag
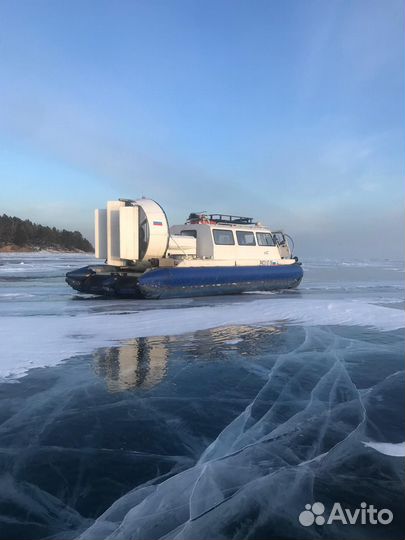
{"x":159,"y":223}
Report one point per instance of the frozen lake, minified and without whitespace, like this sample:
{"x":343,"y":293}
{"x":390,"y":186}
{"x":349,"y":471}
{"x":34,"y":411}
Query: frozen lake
{"x":199,"y":418}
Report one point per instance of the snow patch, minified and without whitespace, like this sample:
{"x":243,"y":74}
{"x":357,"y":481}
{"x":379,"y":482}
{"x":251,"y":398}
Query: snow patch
{"x":389,"y":449}
{"x":45,"y":340}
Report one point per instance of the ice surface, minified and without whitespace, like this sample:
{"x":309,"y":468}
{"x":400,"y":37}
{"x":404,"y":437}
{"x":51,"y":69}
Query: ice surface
{"x":195,"y":436}
{"x":46,"y":513}
{"x":301,"y":435}
{"x":46,"y":340}
{"x":39,"y":263}
{"x":43,"y":321}
{"x":223,"y":430}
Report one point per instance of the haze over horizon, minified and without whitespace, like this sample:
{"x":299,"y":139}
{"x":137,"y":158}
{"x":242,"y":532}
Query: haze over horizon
{"x":291,"y":112}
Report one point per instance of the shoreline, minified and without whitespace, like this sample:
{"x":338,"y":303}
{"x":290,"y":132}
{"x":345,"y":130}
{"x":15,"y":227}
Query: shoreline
{"x":13,"y":248}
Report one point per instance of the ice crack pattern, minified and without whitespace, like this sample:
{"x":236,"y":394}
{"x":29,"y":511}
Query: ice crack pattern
{"x":301,"y":431}
{"x":204,"y":439}
{"x":199,"y":419}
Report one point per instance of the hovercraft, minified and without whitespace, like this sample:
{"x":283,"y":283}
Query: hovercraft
{"x":211,"y":254}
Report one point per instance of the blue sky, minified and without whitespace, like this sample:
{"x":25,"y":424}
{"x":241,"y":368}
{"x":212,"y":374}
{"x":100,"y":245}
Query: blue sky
{"x":289,"y":111}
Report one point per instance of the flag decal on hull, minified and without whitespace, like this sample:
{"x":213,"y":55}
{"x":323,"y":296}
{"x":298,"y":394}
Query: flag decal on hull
{"x":158,"y":223}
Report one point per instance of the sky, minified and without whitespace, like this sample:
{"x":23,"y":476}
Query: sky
{"x":289,"y":111}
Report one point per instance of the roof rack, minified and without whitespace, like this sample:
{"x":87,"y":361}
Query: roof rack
{"x":225,"y":218}
{"x":203,"y":217}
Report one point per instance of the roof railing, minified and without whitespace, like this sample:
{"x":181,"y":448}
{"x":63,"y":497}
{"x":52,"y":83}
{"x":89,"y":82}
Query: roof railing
{"x":220,"y":218}
{"x":225,"y":218}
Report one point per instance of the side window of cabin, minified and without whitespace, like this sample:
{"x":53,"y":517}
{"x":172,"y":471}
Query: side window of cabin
{"x":264,"y":239}
{"x":189,"y":233}
{"x":246,"y":238}
{"x":223,"y":237}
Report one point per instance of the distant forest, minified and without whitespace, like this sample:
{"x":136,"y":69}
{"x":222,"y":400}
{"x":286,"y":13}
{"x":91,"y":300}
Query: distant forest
{"x":20,"y":232}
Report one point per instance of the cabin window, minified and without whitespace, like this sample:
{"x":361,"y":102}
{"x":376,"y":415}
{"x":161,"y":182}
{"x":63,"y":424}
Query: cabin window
{"x":264,"y":239}
{"x":246,"y":238}
{"x":189,"y":232}
{"x":223,"y":237}
{"x":279,"y":238}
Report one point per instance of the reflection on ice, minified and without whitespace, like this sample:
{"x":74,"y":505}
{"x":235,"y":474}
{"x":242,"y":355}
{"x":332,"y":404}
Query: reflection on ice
{"x":139,"y":362}
{"x":143,"y":362}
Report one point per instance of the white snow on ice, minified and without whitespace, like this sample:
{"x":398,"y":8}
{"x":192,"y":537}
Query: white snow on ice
{"x":389,"y":449}
{"x":46,"y":340}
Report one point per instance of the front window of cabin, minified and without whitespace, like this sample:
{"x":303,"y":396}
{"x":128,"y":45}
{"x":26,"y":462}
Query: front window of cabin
{"x":223,"y":237}
{"x":264,"y":239}
{"x":279,"y":238}
{"x":246,"y":238}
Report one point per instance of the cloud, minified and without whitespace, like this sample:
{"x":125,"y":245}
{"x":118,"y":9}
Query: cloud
{"x":315,"y":189}
{"x":63,"y":130}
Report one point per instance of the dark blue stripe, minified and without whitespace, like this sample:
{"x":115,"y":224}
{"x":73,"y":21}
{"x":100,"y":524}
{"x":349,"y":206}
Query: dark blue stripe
{"x":164,"y":282}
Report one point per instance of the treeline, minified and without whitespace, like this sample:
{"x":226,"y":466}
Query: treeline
{"x":14,"y":230}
